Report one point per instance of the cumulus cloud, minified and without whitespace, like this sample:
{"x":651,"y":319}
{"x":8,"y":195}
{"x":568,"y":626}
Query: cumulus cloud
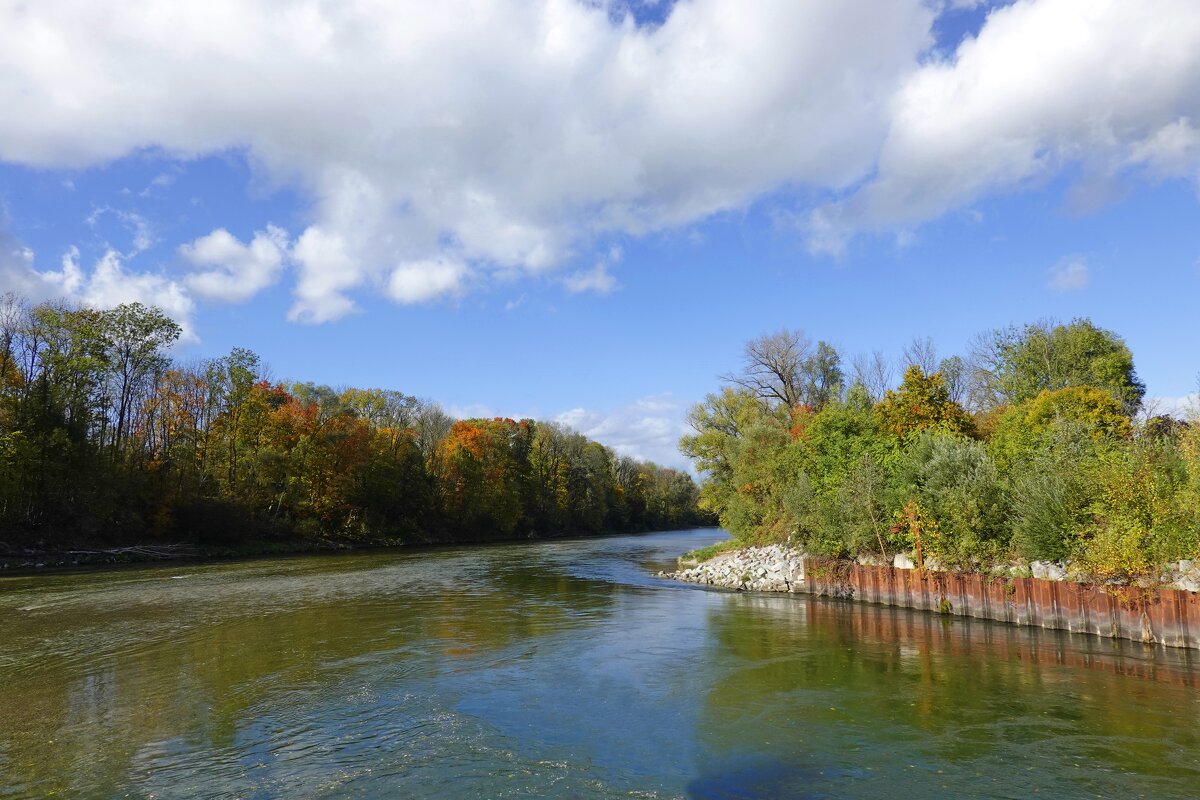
{"x":233,"y":272}
{"x":514,"y":136}
{"x":107,"y":283}
{"x":420,"y":281}
{"x":1106,"y":84}
{"x":1070,"y":275}
{"x":501,"y":135}
{"x":648,"y":429}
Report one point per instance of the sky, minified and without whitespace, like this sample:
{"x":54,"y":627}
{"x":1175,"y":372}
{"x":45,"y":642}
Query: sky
{"x":580,"y":210}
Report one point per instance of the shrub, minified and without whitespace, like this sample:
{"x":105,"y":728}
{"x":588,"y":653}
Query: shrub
{"x":1137,"y":520}
{"x":1052,"y":494}
{"x":1025,"y":430}
{"x":956,"y":483}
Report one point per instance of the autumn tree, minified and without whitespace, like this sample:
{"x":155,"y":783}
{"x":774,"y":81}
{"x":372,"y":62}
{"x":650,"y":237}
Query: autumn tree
{"x":922,"y":401}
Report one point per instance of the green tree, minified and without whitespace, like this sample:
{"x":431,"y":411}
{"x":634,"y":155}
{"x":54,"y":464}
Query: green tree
{"x":1026,"y":429}
{"x":1014,"y":365}
{"x":135,"y":337}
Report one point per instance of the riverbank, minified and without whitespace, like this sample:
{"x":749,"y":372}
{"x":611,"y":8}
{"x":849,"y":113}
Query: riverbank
{"x":25,"y":559}
{"x":18,"y":560}
{"x":1166,"y":613}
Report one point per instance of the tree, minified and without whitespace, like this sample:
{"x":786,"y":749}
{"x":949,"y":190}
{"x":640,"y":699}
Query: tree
{"x":233,"y":378}
{"x":1027,"y":431}
{"x":874,"y":373}
{"x":921,"y":402}
{"x":784,"y":368}
{"x":1012,"y":366}
{"x":772,"y":367}
{"x":920,"y":353}
{"x":823,"y":379}
{"x":483,"y":468}
{"x":956,"y":483}
{"x":954,"y":374}
{"x":135,"y":337}
{"x":432,"y":427}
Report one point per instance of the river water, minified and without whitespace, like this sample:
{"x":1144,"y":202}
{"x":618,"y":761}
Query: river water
{"x":562,"y":670}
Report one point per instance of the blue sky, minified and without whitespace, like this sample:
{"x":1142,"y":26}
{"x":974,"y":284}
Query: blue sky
{"x":571,"y":211}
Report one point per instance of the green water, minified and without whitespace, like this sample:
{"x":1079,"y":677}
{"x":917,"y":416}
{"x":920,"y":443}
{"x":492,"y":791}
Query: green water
{"x":560,"y":669}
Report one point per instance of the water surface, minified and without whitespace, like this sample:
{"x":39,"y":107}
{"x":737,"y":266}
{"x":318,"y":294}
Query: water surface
{"x":563,"y":670}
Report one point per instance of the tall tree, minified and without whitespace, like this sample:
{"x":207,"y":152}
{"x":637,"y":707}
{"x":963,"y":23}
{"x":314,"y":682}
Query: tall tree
{"x":874,"y":373}
{"x":135,"y":338}
{"x":1014,"y":365}
{"x":919,"y":403}
{"x":920,"y":352}
{"x":784,"y":368}
{"x":772,"y":367}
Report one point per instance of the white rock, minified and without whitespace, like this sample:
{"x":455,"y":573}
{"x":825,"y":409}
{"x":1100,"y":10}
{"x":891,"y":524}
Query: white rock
{"x":1048,"y":571}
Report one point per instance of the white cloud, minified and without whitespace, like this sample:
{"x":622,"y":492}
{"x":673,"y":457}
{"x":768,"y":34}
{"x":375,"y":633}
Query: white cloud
{"x":1171,"y":150}
{"x":139,"y":228}
{"x":1181,"y":407}
{"x":234,"y":272}
{"x":1106,"y":84}
{"x":327,"y":270}
{"x":421,"y":281}
{"x":16,"y":267}
{"x":105,"y":284}
{"x":1070,"y":275}
{"x":108,"y":283}
{"x":514,"y":136}
{"x":597,"y":279}
{"x":505,"y":135}
{"x":648,"y":429}
{"x":160,"y":181}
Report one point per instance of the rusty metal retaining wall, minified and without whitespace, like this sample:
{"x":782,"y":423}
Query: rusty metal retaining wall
{"x":1163,"y":616}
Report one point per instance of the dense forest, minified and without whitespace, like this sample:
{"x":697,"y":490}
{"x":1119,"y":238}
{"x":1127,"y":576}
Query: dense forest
{"x":1035,"y":446}
{"x":104,"y":439}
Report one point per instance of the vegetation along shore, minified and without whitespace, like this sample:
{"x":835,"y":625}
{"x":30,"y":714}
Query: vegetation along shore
{"x":112,"y":451}
{"x":1035,"y":448}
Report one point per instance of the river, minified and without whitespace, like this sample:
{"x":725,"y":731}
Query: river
{"x":558,"y":669}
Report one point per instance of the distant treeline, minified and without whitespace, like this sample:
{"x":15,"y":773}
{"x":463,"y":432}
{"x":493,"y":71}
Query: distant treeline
{"x":1035,"y":446}
{"x":104,"y":439}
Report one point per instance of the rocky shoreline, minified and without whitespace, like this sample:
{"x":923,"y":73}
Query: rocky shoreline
{"x":777,"y":568}
{"x":773,"y":568}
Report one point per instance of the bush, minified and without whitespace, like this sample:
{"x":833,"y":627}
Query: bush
{"x":1026,"y":430}
{"x":1137,"y":520}
{"x":859,"y":512}
{"x":1053,"y":494}
{"x":955,"y":482}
